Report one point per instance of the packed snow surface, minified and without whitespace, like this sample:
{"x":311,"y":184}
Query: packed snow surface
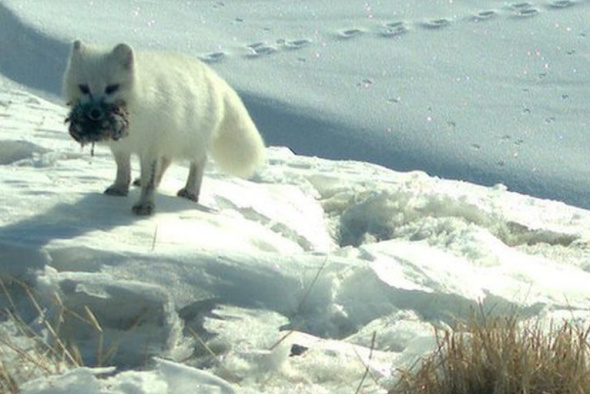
{"x":451,"y":119}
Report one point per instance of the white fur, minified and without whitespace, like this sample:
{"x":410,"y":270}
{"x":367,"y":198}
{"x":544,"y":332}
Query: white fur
{"x":178,"y":109}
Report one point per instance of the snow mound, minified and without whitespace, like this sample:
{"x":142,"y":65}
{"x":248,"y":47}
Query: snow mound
{"x":14,"y":151}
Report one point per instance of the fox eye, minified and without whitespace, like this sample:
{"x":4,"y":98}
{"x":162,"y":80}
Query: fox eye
{"x":111,"y":89}
{"x":84,"y":89}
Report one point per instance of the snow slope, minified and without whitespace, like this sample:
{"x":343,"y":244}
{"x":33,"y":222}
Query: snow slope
{"x":301,"y":278}
{"x":484,"y":91}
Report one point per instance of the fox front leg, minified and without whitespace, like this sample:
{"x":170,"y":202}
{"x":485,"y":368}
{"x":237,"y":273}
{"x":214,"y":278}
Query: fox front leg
{"x":150,"y":168}
{"x":123,"y":178}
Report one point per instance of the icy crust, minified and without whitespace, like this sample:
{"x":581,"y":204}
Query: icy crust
{"x":302,"y":278}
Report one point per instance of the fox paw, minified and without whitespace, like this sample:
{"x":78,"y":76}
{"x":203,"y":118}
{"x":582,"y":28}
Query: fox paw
{"x":115,"y":190}
{"x":184,"y":193}
{"x":144,"y":208}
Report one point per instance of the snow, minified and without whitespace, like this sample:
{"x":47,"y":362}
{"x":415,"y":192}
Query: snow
{"x":464,"y":178}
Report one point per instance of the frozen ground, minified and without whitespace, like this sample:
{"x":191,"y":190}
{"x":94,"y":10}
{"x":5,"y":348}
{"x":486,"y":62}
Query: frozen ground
{"x":315,"y":270}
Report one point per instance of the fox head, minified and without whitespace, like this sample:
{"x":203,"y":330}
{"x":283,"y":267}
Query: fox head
{"x":94,"y":75}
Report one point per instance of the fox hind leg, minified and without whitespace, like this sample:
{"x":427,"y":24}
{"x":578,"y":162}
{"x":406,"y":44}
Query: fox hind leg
{"x":163,"y":166}
{"x":193,"y":183}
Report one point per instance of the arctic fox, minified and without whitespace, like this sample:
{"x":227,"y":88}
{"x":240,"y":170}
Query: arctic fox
{"x":178,"y":109}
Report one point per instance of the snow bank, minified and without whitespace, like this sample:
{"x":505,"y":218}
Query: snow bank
{"x":299,"y":279}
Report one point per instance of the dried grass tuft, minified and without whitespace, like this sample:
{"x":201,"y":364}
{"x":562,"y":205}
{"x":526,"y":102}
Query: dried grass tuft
{"x":503,"y":356}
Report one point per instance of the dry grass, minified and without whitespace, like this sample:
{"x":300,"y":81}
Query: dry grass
{"x":25,"y":353}
{"x":25,"y":356}
{"x":503,"y":356}
{"x":42,"y":336}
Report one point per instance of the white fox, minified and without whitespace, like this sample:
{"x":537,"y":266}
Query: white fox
{"x":178,"y":108}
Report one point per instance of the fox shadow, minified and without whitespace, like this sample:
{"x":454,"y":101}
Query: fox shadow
{"x":22,"y":243}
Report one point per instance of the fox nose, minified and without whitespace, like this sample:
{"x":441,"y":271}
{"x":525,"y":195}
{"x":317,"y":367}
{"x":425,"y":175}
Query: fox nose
{"x":95,"y":113}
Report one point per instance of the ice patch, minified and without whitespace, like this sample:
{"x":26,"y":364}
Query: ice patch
{"x":110,"y":321}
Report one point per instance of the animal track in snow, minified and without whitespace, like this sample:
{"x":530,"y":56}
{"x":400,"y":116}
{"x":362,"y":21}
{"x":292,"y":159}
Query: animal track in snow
{"x":394,"y":29}
{"x":484,"y":15}
{"x":521,"y":6}
{"x":436,"y":23}
{"x":560,"y":4}
{"x":525,"y":13}
{"x":397,"y":29}
{"x":349,"y":33}
{"x":259,"y":49}
{"x":214,"y":57}
{"x":524,"y":10}
{"x":294,"y":44}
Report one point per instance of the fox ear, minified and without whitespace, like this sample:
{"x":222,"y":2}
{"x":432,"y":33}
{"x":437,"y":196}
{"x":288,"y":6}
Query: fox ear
{"x":77,"y":46}
{"x":124,"y":54}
